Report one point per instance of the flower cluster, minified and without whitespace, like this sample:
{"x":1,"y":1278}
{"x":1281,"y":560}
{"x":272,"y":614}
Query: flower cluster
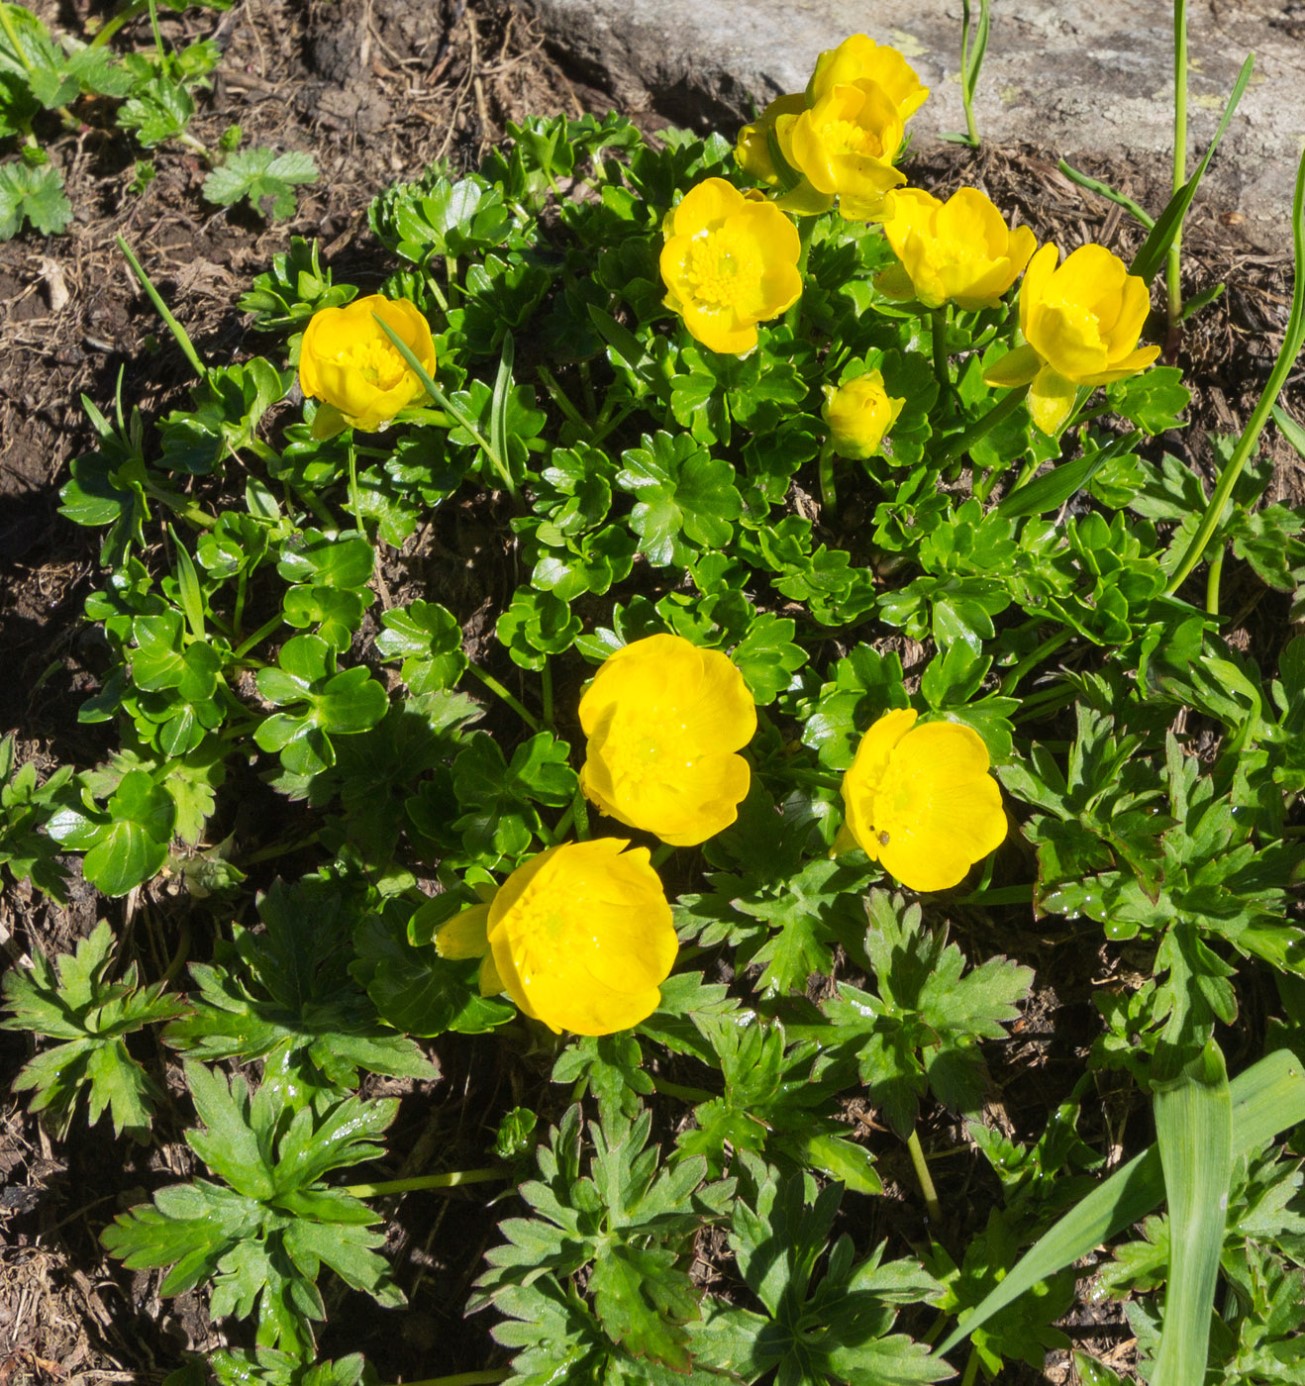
{"x":836,"y":143}
{"x":580,"y":937}
{"x":348,"y":362}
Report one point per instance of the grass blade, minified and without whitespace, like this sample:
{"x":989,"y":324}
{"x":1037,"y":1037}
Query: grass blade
{"x":1193,"y":1125}
{"x":1156,"y":246}
{"x":1268,"y":1098}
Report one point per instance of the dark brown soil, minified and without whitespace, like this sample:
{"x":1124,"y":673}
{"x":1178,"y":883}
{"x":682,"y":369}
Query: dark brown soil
{"x":375,"y":89}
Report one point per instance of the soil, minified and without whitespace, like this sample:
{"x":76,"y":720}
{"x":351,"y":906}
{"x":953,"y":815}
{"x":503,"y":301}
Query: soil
{"x":375,"y":89}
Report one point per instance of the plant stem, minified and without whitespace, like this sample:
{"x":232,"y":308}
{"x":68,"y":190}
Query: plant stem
{"x":1173,"y":268}
{"x":828,"y":489}
{"x":938,"y":340}
{"x":931,"y":1204}
{"x":1292,"y":341}
{"x":563,"y":401}
{"x":452,"y":1180}
{"x":580,"y":813}
{"x":178,"y":332}
{"x":546,"y":692}
{"x":258,"y":636}
{"x":1212,"y":577}
{"x":1003,"y":409}
{"x":485,"y":1378}
{"x":1031,"y":661}
{"x":669,"y":1089}
{"x":971,"y":1369}
{"x":510,"y":699}
{"x":662,"y":854}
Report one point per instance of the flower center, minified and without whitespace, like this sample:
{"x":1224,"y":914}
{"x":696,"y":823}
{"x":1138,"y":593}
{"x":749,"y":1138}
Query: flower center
{"x":847,"y":137}
{"x":376,"y":361}
{"x":722,"y":269}
{"x":648,"y":750}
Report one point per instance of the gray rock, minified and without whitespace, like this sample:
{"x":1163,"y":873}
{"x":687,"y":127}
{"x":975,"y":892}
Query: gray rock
{"x":1076,"y":77}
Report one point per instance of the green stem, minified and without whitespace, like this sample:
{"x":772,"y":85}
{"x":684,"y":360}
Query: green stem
{"x":938,"y":341}
{"x":455,"y":1179}
{"x":662,"y":854}
{"x":1292,"y":341}
{"x":694,"y":1095}
{"x":162,"y":309}
{"x":546,"y":692}
{"x":115,"y":22}
{"x":354,"y":507}
{"x":1173,"y":268}
{"x":1031,"y":661}
{"x":498,"y":690}
{"x":281,"y":849}
{"x":580,"y":812}
{"x":828,"y":489}
{"x":1212,"y":577}
{"x":1002,"y":895}
{"x":12,"y":35}
{"x":563,"y":401}
{"x":261,"y":634}
{"x":486,"y":1378}
{"x":931,"y":1204}
{"x":805,"y":228}
{"x":971,"y":1369}
{"x":1003,"y":409}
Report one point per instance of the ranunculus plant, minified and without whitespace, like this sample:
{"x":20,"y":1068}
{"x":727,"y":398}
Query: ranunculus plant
{"x":758,"y":508}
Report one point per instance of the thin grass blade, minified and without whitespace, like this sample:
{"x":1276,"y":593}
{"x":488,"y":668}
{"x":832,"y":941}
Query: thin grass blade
{"x":1156,"y":246}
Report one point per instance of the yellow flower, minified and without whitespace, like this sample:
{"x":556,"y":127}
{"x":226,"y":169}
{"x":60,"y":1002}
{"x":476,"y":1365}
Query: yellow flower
{"x":729,"y":262}
{"x":843,"y":145}
{"x":859,"y":414}
{"x":348,"y":362}
{"x":920,"y":800}
{"x":861,"y":59}
{"x":580,"y":937}
{"x":753,"y":152}
{"x":664,"y":719}
{"x":1081,"y":323}
{"x":959,"y":250}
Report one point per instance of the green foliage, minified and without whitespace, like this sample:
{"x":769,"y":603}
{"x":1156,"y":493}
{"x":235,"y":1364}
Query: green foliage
{"x":73,"y":1001}
{"x":25,"y":808}
{"x":34,"y":196}
{"x":262,"y":1235}
{"x":356,"y":660}
{"x":263,"y":178}
{"x":922,"y":1029}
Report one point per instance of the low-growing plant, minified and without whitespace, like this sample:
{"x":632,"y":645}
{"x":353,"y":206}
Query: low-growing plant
{"x":843,"y":626}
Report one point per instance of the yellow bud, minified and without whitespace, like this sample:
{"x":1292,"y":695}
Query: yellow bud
{"x":859,"y":415}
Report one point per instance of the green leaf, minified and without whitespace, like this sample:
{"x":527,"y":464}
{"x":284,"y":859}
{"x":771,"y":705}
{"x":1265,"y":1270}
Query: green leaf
{"x":32,"y":195}
{"x":75,"y":1002}
{"x":264,"y":178}
{"x":1194,"y":1134}
{"x":643,"y":1302}
{"x":680,"y":491}
{"x":429,"y":641}
{"x":133,"y":845}
{"x":159,"y":110}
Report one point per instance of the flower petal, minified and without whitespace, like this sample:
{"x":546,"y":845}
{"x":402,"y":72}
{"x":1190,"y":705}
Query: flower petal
{"x":1050,"y":400}
{"x":1017,"y":367}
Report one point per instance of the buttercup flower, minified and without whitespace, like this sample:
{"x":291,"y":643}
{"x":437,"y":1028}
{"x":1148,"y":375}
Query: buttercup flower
{"x":860,"y":59}
{"x":843,"y":145}
{"x":580,"y":937}
{"x":838,"y":138}
{"x":348,"y":362}
{"x":959,"y":250}
{"x":920,"y":800}
{"x":664,"y":719}
{"x":729,"y":262}
{"x":859,"y":414}
{"x":1081,"y":323}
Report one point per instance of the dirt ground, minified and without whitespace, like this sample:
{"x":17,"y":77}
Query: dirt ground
{"x":375,"y":89}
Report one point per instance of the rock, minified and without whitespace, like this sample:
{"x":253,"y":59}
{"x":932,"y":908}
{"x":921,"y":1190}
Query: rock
{"x":1077,"y":78}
